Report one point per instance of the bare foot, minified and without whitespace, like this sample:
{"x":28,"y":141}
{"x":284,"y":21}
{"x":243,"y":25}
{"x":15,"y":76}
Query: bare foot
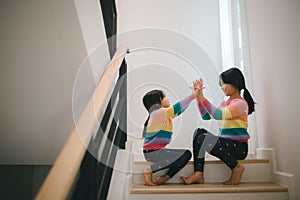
{"x":161,"y":179}
{"x":236,"y":175}
{"x":197,"y":177}
{"x":148,"y":176}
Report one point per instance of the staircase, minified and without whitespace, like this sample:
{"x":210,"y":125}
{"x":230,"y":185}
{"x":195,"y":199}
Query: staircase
{"x":260,"y":180}
{"x":256,"y":182}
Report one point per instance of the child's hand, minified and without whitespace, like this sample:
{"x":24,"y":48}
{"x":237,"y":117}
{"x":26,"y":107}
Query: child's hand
{"x":198,"y":89}
{"x":198,"y":85}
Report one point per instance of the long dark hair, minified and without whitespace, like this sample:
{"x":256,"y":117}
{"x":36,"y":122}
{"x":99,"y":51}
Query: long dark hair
{"x":234,"y":77}
{"x":152,"y":101}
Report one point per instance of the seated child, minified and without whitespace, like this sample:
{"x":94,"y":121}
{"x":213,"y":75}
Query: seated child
{"x":232,"y":143}
{"x":158,"y":132}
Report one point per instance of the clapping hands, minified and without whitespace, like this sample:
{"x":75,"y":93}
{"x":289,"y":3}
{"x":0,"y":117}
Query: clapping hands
{"x":198,"y":89}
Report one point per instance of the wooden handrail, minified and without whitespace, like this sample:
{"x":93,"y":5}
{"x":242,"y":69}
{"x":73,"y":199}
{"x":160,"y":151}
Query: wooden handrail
{"x":62,"y":175}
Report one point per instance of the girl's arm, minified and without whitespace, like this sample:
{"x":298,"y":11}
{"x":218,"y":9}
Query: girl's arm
{"x":235,"y":109}
{"x":198,"y":91}
{"x":179,"y":107}
{"x":203,"y":111}
{"x":208,"y":110}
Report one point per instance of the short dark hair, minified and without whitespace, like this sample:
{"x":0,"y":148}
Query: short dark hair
{"x":153,"y":97}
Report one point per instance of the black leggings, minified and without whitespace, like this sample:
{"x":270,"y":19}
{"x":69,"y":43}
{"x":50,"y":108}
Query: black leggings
{"x":174,"y":159}
{"x":227,"y":150}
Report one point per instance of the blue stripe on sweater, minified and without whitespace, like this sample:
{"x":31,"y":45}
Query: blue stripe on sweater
{"x":160,"y":134}
{"x":233,"y":131}
{"x":177,"y":108}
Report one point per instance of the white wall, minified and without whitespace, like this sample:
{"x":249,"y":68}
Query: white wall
{"x":42,"y":48}
{"x":172,"y":43}
{"x":274,"y":31}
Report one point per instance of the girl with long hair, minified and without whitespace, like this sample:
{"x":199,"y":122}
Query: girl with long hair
{"x":231,"y":144}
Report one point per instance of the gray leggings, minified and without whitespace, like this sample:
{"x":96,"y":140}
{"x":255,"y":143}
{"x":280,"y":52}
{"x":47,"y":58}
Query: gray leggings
{"x":174,"y":159}
{"x":227,"y":150}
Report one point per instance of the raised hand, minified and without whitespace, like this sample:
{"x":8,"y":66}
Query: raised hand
{"x":198,"y":89}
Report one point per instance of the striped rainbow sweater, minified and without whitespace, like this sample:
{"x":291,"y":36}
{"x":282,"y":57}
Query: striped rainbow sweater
{"x":232,"y":116}
{"x":160,"y":129}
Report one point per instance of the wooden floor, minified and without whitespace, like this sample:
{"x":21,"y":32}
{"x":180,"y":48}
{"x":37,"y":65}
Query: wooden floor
{"x":247,"y":187}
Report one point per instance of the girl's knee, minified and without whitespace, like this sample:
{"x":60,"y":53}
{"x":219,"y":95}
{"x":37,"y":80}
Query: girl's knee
{"x":198,"y":139}
{"x":199,"y":131}
{"x":185,"y":158}
{"x":187,"y":155}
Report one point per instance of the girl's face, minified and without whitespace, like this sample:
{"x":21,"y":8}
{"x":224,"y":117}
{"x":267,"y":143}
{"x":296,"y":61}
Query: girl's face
{"x":228,"y":89}
{"x":165,"y":102}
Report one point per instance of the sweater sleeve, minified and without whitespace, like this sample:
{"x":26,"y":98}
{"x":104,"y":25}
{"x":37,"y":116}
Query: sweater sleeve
{"x":179,"y":107}
{"x":234,"y":109}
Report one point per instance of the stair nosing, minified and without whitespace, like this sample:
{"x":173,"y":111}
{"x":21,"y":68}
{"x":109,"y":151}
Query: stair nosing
{"x":249,"y":187}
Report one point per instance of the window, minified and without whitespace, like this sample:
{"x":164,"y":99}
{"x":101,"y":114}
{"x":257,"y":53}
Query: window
{"x":235,"y":49}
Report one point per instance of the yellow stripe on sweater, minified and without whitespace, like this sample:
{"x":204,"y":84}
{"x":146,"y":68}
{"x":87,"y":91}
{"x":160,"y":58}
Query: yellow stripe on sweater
{"x":154,"y":128}
{"x":226,"y":114}
{"x":170,"y":112}
{"x":232,"y":124}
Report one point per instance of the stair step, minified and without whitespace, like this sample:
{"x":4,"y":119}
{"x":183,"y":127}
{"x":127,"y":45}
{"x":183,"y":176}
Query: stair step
{"x":210,"y":191}
{"x":139,"y":158}
{"x":173,"y":188}
{"x":215,"y":161}
{"x":214,"y":171}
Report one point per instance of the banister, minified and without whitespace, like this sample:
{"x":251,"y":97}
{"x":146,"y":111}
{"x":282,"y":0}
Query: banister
{"x":62,"y":175}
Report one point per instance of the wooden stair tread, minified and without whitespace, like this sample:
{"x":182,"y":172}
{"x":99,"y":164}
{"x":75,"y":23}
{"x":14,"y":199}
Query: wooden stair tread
{"x":175,"y":188}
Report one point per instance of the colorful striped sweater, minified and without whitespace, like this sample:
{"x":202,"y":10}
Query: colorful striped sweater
{"x":232,"y":116}
{"x":160,"y":129}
